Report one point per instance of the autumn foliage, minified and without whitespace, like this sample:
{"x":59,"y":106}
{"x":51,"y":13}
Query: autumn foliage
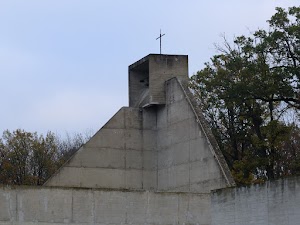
{"x":30,"y":159}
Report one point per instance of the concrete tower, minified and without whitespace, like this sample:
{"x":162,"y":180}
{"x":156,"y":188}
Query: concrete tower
{"x":160,"y":142}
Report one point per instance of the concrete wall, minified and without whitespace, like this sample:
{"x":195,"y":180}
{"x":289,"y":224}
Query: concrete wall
{"x":122,"y":154}
{"x":148,"y":75}
{"x":165,"y":145}
{"x":138,"y":85}
{"x":163,"y":68}
{"x":30,"y":206}
{"x":273,"y":203}
{"x":185,"y":159}
{"x":162,"y":147}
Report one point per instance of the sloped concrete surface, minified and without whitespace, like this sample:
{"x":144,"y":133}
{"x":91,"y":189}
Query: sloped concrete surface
{"x":121,"y":154}
{"x":187,"y":161}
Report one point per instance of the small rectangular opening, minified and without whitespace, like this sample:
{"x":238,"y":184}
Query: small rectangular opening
{"x":138,"y":83}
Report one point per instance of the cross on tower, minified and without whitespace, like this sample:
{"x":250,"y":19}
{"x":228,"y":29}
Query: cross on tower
{"x":160,"y":36}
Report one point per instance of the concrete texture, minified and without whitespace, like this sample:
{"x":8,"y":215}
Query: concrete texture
{"x":163,"y":144}
{"x":120,"y":155}
{"x":148,"y":75}
{"x":186,"y":159}
{"x":273,"y":203}
{"x":29,"y":205}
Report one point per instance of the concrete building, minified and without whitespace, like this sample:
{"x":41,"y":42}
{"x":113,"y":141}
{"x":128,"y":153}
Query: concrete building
{"x":160,"y":142}
{"x":154,"y":162}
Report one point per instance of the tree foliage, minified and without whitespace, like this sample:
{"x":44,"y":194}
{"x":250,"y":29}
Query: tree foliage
{"x":30,"y":159}
{"x":250,"y":94}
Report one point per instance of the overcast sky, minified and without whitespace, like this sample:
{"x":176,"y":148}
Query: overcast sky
{"x":64,"y":63}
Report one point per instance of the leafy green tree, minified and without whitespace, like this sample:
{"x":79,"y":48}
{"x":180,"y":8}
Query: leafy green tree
{"x":30,"y":159}
{"x":45,"y":158}
{"x":246,"y":93}
{"x":27,"y":157}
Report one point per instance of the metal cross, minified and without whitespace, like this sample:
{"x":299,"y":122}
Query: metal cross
{"x":160,"y":36}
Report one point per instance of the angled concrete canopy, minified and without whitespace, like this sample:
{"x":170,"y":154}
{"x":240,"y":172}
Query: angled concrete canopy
{"x":160,"y":142}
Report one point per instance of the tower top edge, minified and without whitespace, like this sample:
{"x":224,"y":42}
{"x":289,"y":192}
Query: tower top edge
{"x":147,"y":57}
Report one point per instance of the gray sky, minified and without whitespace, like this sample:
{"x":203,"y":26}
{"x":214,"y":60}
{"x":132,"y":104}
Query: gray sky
{"x":64,"y":63}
